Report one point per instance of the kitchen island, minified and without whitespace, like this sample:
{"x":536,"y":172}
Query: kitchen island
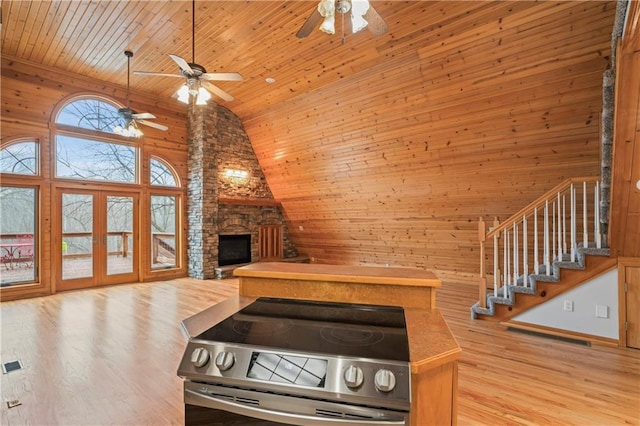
{"x":433,"y":350}
{"x":406,"y":287}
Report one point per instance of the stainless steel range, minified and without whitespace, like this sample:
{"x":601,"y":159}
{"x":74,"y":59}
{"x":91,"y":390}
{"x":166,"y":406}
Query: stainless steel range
{"x":300,"y":362}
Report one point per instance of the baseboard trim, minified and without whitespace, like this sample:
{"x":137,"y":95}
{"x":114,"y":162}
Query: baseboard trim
{"x":573,"y":335}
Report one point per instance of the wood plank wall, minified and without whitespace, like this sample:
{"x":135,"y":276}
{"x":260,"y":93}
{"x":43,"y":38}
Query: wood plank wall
{"x":393,"y":164}
{"x":30,"y":95}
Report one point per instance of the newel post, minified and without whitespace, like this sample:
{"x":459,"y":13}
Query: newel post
{"x":482,"y":232}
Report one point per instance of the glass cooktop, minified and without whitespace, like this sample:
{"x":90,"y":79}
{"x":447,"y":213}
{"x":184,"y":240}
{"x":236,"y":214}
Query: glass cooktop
{"x":367,"y":331}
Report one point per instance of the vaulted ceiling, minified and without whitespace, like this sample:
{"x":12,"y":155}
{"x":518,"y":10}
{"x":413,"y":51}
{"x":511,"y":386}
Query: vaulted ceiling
{"x":382,"y":150}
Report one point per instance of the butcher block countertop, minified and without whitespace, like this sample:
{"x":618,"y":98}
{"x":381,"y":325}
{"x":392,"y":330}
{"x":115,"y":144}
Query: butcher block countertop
{"x":406,"y":287}
{"x":340,"y":273}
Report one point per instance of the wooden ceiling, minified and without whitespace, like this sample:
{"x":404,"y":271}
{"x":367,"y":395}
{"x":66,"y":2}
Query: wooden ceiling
{"x":257,"y":39}
{"x":382,"y":150}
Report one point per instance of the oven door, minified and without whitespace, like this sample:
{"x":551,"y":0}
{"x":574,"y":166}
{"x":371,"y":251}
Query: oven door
{"x":195,"y":415}
{"x":247,"y":407}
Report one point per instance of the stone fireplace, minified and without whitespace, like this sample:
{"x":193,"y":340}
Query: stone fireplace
{"x":227,"y":193}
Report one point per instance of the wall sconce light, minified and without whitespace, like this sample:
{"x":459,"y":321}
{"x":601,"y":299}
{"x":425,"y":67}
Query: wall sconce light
{"x":236,"y":174}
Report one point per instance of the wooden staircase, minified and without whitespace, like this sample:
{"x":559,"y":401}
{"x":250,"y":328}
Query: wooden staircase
{"x":545,"y":249}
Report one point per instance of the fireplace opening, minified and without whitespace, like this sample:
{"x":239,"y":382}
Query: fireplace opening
{"x":234,"y":249}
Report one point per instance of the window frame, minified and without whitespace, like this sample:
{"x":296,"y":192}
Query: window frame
{"x":169,"y":166}
{"x":38,"y":187}
{"x":84,"y":97}
{"x":38,"y":159}
{"x":93,"y":138}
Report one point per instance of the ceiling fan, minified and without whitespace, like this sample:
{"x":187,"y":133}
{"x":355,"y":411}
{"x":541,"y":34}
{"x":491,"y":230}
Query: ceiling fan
{"x":362,"y":15}
{"x":196,"y":75}
{"x":132,"y":118}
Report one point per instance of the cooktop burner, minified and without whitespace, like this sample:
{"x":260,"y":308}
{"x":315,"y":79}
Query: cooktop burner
{"x":344,"y":329}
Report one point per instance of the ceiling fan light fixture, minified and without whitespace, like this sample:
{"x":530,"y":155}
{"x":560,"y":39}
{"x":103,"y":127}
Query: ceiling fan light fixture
{"x":183,"y":94}
{"x":328,"y":25}
{"x":203,"y":96}
{"x":359,"y":8}
{"x":327,"y":9}
{"x":363,"y":15}
{"x":129,"y":117}
{"x":129,"y":131}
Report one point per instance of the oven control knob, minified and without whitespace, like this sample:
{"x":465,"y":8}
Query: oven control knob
{"x":353,"y":376}
{"x":224,"y":360}
{"x":385,"y":380}
{"x":200,"y":357}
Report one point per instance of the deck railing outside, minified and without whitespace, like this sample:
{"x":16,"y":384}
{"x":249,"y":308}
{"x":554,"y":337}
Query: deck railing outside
{"x":17,"y":252}
{"x":550,"y":229}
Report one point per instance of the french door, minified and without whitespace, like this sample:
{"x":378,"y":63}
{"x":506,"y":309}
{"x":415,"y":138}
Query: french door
{"x":95,"y":238}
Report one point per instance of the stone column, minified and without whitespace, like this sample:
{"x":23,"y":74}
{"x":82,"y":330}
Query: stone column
{"x":202,"y":191}
{"x":606,"y":154}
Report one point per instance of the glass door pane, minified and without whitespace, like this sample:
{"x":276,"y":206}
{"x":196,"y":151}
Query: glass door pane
{"x":18,"y":257}
{"x":78,"y":238}
{"x":98,"y":232}
{"x":163,"y":232}
{"x":119,"y":236}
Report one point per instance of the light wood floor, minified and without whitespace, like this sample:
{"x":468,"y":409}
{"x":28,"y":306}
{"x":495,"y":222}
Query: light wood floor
{"x":109,"y":356}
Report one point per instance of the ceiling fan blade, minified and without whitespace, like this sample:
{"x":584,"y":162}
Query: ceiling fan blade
{"x":143,"y":115}
{"x":311,"y":23}
{"x":222,"y":76}
{"x":154,"y":125}
{"x":217,"y":91}
{"x":184,"y":65}
{"x":376,"y":24}
{"x":159,"y":74}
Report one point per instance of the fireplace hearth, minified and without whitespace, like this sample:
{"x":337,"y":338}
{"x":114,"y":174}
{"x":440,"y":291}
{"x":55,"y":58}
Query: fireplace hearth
{"x":234,"y":249}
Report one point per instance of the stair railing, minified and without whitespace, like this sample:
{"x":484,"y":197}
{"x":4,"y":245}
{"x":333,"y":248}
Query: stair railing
{"x":543,"y":232}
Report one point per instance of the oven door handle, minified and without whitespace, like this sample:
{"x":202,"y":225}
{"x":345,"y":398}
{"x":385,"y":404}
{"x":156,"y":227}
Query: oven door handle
{"x":197,"y":398}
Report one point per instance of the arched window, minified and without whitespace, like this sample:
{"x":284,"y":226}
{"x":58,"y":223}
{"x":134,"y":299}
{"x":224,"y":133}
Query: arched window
{"x":161,"y":174}
{"x":90,"y":114}
{"x":20,"y":158}
{"x":82,"y":153}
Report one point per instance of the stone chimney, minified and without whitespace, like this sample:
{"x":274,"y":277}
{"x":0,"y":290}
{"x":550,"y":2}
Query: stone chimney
{"x":227,"y":192}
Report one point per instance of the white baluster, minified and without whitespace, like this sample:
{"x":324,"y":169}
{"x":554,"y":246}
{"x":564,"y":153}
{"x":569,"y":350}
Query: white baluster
{"x":508,"y":242}
{"x":585,"y":234}
{"x":495,"y":264}
{"x":596,"y":216}
{"x":547,"y":253}
{"x":559,"y":231}
{"x":525,"y":248}
{"x":564,"y":224}
{"x":573,"y":223}
{"x":516,"y":261}
{"x":536,"y":263}
{"x":507,"y":277}
{"x":553,"y":231}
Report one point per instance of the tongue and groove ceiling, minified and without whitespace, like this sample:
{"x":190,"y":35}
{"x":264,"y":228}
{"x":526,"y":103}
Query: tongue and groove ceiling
{"x":382,"y":150}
